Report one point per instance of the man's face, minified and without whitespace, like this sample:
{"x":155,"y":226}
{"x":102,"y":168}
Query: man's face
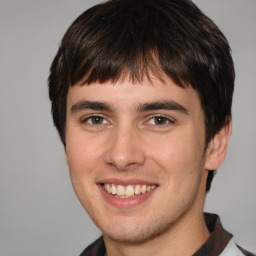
{"x":136,"y":156}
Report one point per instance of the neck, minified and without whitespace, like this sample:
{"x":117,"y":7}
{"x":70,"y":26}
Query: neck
{"x":184,"y":238}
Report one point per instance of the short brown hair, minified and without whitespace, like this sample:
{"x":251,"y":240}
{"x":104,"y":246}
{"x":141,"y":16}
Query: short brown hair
{"x":138,"y":37}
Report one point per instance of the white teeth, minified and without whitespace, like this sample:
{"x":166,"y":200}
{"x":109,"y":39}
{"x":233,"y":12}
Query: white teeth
{"x":143,"y":189}
{"x":108,"y":188}
{"x":137,"y":190}
{"x":114,"y":192}
{"x":120,"y":190}
{"x":127,"y":191}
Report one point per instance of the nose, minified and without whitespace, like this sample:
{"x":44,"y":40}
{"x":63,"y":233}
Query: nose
{"x":125,"y":149}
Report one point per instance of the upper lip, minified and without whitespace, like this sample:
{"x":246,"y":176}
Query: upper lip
{"x":126,"y":182}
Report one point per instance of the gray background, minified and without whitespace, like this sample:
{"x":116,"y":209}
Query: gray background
{"x":39,"y":213}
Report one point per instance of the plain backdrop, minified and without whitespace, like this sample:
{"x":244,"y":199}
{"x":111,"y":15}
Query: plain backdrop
{"x":39,"y":213}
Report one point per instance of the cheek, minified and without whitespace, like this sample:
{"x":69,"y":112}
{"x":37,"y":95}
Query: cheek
{"x":177,"y":151}
{"x":180,"y":156}
{"x":83,"y":159}
{"x":83,"y":153}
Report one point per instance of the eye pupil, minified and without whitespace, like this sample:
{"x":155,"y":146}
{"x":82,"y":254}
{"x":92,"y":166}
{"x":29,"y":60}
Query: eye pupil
{"x":160,"y":120}
{"x":97,"y":120}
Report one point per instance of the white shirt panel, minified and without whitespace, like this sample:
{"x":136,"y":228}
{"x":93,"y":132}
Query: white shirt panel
{"x":231,"y":250}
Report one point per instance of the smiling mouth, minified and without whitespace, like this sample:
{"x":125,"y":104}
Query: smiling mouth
{"x":129,"y":191}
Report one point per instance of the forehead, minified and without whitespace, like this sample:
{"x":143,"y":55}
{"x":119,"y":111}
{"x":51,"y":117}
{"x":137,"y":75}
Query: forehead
{"x":124,"y":93}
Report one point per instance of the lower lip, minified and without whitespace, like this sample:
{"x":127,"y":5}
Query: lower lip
{"x":125,"y":202}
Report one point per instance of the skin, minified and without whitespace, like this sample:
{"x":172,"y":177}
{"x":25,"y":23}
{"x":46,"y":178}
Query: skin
{"x":126,"y":143}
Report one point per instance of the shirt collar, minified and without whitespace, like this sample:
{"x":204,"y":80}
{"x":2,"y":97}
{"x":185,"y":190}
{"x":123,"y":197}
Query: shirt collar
{"x":218,"y":239}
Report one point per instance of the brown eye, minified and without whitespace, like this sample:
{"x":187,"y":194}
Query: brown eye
{"x":160,"y":120}
{"x":95,"y":120}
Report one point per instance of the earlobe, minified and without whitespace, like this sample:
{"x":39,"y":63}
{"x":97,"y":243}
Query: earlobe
{"x":217,"y":148}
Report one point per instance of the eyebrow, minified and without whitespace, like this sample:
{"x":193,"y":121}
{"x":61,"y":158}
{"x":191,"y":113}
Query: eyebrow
{"x":162,"y":105}
{"x":142,"y":107}
{"x":94,"y":105}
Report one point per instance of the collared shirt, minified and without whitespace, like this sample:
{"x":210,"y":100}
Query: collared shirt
{"x":220,"y":242}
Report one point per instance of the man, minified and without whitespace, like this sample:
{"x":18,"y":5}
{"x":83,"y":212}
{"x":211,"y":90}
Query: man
{"x":141,"y":94}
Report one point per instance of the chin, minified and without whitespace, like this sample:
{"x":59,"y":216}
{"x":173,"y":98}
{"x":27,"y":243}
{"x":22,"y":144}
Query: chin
{"x":134,"y":233}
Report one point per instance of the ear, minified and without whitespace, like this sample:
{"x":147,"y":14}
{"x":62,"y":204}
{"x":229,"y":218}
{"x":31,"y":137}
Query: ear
{"x":217,"y":147}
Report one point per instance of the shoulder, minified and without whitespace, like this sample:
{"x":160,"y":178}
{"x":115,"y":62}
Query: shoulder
{"x":97,"y":248}
{"x":232,"y":249}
